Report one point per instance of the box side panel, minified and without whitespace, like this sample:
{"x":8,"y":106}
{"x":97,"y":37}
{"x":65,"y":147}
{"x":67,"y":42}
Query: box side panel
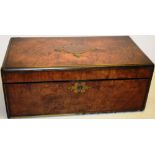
{"x":148,"y":88}
{"x":76,"y":97}
{"x":6,"y":100}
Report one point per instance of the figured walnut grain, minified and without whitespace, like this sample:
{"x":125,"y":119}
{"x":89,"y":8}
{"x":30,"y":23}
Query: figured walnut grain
{"x":56,"y":98}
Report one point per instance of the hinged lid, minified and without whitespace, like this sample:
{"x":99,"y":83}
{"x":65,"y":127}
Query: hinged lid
{"x":62,"y":56}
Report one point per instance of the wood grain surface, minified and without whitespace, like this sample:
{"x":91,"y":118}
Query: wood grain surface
{"x":80,"y":74}
{"x":73,"y":51}
{"x":56,"y":98}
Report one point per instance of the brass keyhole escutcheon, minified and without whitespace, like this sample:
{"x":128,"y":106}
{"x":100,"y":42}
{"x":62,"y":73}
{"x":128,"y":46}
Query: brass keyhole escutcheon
{"x":79,"y":87}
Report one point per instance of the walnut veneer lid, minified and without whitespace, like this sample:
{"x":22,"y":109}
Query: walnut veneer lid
{"x":73,"y":52}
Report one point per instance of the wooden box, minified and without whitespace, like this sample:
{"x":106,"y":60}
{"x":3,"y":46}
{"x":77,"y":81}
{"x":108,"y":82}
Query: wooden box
{"x":68,"y":75}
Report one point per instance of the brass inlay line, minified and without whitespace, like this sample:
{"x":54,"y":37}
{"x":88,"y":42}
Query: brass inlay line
{"x":77,"y":50}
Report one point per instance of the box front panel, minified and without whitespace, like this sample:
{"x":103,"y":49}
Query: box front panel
{"x":117,"y":72}
{"x":76,"y":97}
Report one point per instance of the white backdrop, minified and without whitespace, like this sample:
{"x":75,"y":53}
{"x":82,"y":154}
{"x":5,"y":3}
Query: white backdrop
{"x":70,"y":136}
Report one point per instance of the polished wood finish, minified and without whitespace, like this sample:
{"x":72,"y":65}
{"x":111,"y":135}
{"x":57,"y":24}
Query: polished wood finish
{"x":60,"y":52}
{"x":38,"y":75}
{"x":81,"y":74}
{"x":56,"y":98}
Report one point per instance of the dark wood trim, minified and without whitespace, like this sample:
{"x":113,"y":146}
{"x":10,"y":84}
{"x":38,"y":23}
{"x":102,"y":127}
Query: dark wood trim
{"x":95,"y":80}
{"x":75,"y":67}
